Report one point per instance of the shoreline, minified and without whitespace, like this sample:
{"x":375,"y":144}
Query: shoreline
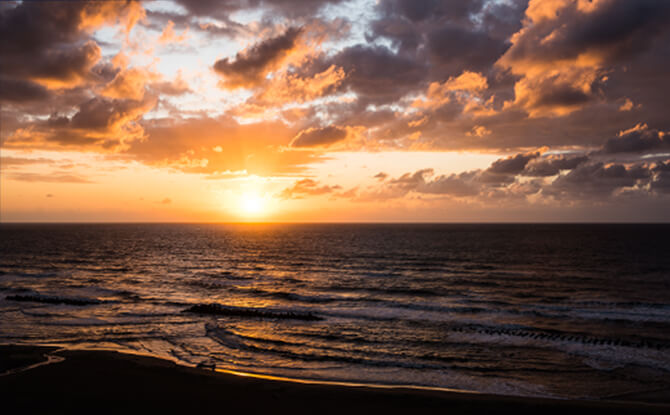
{"x":137,"y":383}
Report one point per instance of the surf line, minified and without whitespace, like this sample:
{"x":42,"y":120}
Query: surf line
{"x":51,"y":358}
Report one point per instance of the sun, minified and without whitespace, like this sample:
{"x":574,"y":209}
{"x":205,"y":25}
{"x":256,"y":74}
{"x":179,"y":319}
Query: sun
{"x":252,"y":204}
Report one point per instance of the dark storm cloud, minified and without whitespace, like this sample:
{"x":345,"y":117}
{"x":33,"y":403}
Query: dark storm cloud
{"x":551,"y":92}
{"x":377,"y":74}
{"x":552,"y":165}
{"x":19,"y":90}
{"x":578,"y":177}
{"x":464,"y":184}
{"x":98,"y":122}
{"x":614,"y":30}
{"x":319,"y":136}
{"x":454,"y":49}
{"x":597,"y":179}
{"x":639,"y":139}
{"x":50,"y":41}
{"x":568,"y":51}
{"x":98,"y":113}
{"x":41,"y":26}
{"x":250,"y":66}
{"x":592,"y":180}
{"x":63,"y":65}
{"x":513,"y":164}
{"x":661,"y":182}
{"x":421,"y":10}
{"x":452,"y":35}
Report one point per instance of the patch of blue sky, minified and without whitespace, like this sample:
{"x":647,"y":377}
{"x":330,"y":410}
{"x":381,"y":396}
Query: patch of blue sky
{"x":164,"y":6}
{"x":248,"y":16}
{"x":359,"y":14}
{"x":109,"y":40}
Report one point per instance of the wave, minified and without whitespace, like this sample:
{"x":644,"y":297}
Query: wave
{"x":53,"y":299}
{"x":231,"y":311}
{"x":284,"y":295}
{"x":555,"y":336}
{"x":235,"y":341}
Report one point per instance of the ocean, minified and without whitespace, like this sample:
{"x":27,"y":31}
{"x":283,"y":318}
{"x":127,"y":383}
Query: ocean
{"x":562,"y":311}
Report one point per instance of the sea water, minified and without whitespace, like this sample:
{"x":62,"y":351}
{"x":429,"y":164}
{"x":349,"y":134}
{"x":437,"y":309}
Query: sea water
{"x":568,"y":311}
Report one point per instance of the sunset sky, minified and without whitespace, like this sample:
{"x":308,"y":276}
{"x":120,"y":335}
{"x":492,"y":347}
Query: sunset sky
{"x":335,"y":110}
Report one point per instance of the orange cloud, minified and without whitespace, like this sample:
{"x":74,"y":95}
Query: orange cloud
{"x":465,"y":85}
{"x":292,"y":88}
{"x":478,"y":131}
{"x":306,"y":187}
{"x":99,"y":124}
{"x":566,"y":47}
{"x":129,"y":84}
{"x":169,"y":36}
{"x":218,"y":145}
{"x":100,"y":13}
{"x":251,"y":65}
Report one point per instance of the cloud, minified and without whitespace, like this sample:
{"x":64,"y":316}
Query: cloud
{"x":105,"y":124}
{"x":552,"y":165}
{"x":20,"y":90}
{"x":129,"y":84}
{"x":47,"y":178}
{"x":455,"y":185}
{"x":451,"y":36}
{"x":322,"y":136}
{"x":377,"y":74}
{"x":463,"y":93}
{"x":306,"y":187}
{"x":638,"y":139}
{"x":586,"y":180}
{"x":293,"y":88}
{"x":6,"y":162}
{"x":250,"y":66}
{"x":50,"y":42}
{"x":176,"y":87}
{"x":557,"y":84}
{"x":512,"y":164}
{"x":597,"y":179}
{"x":567,"y":46}
{"x":478,"y":131}
{"x":168,"y":36}
{"x":289,"y":8}
{"x":216,"y":145}
{"x":661,"y":181}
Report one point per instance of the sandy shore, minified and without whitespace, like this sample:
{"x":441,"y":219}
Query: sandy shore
{"x":106,"y":382}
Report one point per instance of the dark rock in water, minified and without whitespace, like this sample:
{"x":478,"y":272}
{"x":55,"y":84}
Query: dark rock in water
{"x":53,"y":300}
{"x":221,"y":310}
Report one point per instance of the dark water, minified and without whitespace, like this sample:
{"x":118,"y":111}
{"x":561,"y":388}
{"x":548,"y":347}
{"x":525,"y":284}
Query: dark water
{"x":541,"y":310}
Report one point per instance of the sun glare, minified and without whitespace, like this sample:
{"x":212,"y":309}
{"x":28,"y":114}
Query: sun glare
{"x":252,"y":204}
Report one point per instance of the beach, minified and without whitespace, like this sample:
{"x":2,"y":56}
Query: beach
{"x":106,"y":381}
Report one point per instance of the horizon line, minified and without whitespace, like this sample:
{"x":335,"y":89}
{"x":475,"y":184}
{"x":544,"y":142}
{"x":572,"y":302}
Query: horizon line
{"x":334,"y":223}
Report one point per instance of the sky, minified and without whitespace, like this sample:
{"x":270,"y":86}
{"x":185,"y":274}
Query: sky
{"x":335,"y":111}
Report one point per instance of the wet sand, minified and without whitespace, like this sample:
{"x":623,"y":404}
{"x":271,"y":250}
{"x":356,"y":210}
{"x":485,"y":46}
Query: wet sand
{"x":110,"y":382}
